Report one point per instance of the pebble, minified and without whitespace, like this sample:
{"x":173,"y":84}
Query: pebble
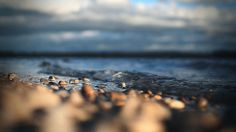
{"x":86,"y":80}
{"x":52,"y":78}
{"x":157,"y":97}
{"x":54,"y":87}
{"x":120,"y":103}
{"x":202,"y":103}
{"x":193,"y":98}
{"x":12,"y":76}
{"x":88,"y":92}
{"x":118,"y":96}
{"x":149,"y":92}
{"x":174,"y":104}
{"x":101,"y":91}
{"x":74,"y":81}
{"x":122,"y":85}
{"x":132,"y":93}
{"x":63,"y":83}
{"x":76,"y":98}
{"x":63,"y":93}
{"x":105,"y":105}
{"x":44,"y":81}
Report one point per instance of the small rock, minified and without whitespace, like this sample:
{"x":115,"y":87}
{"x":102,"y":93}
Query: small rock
{"x":193,"y":98}
{"x":52,"y":78}
{"x":62,"y":83}
{"x":140,"y":91}
{"x":132,"y":93}
{"x":118,"y":96}
{"x":44,"y":81}
{"x":86,"y":80}
{"x":88,"y":92}
{"x":202,"y":103}
{"x":12,"y":76}
{"x":120,"y":103}
{"x":54,"y":87}
{"x":122,"y":85}
{"x":157,"y":97}
{"x":101,"y":91}
{"x":74,"y":81}
{"x":159,"y":93}
{"x":174,"y":104}
{"x":76,"y":98}
{"x":105,"y":105}
{"x":63,"y":94}
{"x":149,"y":92}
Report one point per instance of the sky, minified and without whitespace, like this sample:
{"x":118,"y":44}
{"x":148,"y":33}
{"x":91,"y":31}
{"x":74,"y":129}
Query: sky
{"x":110,"y":25}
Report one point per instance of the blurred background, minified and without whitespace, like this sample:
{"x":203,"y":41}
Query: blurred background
{"x":68,"y":26}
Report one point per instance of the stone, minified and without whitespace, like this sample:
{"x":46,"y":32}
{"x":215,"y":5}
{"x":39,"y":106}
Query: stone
{"x":88,"y":92}
{"x":63,"y":83}
{"x":54,"y":87}
{"x":44,"y":81}
{"x":12,"y":76}
{"x":118,"y":96}
{"x":174,"y":104}
{"x":202,"y":103}
{"x":157,"y":97}
{"x":86,"y":80}
{"x":52,"y":78}
{"x":74,"y":81}
{"x":122,"y":85}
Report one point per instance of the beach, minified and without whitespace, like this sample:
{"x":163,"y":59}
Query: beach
{"x":117,"y":94}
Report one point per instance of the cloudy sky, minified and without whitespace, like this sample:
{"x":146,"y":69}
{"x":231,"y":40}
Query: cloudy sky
{"x":117,"y":25}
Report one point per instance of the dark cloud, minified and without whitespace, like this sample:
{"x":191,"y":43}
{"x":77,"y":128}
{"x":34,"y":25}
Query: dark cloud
{"x":146,"y":27}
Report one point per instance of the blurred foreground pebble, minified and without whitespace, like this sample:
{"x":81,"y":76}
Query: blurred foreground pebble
{"x":33,"y":107}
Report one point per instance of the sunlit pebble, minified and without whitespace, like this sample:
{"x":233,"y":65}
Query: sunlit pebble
{"x":149,"y":92}
{"x":54,"y":87}
{"x":146,"y":96}
{"x":159,"y":93}
{"x":123,"y":85}
{"x":44,"y":81}
{"x":117,"y":96}
{"x":132,"y":93}
{"x":88,"y":92}
{"x":62,"y":83}
{"x":85,"y":79}
{"x":105,"y":105}
{"x":12,"y":76}
{"x":157,"y":97}
{"x":52,"y":78}
{"x":120,"y":103}
{"x":76,"y":98}
{"x":101,"y":91}
{"x":74,"y":81}
{"x":140,"y":91}
{"x":174,"y":104}
{"x":63,"y":93}
{"x":202,"y":103}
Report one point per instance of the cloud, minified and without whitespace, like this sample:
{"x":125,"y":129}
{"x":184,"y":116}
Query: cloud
{"x":107,"y":15}
{"x":52,"y":6}
{"x":116,"y":25}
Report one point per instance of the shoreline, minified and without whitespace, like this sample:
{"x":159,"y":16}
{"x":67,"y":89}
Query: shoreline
{"x":154,"y":54}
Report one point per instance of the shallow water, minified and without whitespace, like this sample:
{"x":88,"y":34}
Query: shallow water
{"x":187,"y":77}
{"x":188,"y":69}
